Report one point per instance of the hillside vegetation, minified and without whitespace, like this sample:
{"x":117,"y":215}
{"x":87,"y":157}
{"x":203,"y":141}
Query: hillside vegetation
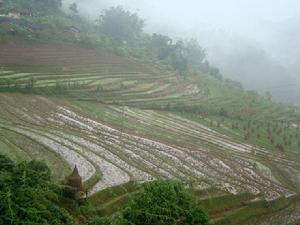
{"x":128,"y":108}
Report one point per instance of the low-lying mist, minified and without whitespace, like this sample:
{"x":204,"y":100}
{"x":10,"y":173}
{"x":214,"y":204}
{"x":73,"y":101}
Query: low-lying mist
{"x":254,"y":42}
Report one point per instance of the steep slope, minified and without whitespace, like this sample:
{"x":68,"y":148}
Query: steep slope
{"x":94,"y":75}
{"x":213,"y":159}
{"x":120,"y":120}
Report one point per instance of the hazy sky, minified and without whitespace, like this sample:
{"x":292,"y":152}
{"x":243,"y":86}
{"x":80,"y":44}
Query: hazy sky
{"x":248,"y":18}
{"x":221,"y":13}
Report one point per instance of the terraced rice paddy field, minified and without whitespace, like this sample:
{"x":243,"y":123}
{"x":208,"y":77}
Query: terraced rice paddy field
{"x":93,"y":75}
{"x":108,"y":155}
{"x":102,"y":126}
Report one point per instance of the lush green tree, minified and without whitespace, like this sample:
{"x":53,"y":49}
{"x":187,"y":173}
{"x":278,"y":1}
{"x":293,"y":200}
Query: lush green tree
{"x":28,"y":196}
{"x":161,"y":45}
{"x":183,"y":56}
{"x":73,"y":8}
{"x":215,"y":72}
{"x":179,"y":57}
{"x":121,"y":25}
{"x":196,"y":54}
{"x":163,"y":203}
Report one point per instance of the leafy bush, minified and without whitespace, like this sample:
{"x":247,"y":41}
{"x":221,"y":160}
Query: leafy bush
{"x":99,"y":221}
{"x":27,"y":195}
{"x":164,"y":203}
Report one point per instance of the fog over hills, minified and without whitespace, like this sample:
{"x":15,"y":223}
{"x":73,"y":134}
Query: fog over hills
{"x":142,"y":102}
{"x":254,"y":42}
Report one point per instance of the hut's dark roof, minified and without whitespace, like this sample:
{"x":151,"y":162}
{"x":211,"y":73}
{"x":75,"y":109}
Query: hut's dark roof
{"x":74,"y":180}
{"x":75,"y":174}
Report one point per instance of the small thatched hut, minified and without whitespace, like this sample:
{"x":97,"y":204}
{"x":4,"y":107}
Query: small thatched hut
{"x":75,"y":181}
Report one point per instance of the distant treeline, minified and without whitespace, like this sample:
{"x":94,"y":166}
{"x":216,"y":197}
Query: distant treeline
{"x":117,"y":30}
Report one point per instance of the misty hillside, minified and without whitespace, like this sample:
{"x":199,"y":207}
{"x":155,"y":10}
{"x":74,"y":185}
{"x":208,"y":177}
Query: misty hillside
{"x":269,"y":39}
{"x":287,"y":32}
{"x":104,"y":122}
{"x":256,"y":70}
{"x":264,"y":65}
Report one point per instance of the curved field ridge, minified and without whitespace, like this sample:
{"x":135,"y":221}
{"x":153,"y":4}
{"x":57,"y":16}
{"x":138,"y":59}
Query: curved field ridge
{"x":93,"y":73}
{"x":120,"y":156}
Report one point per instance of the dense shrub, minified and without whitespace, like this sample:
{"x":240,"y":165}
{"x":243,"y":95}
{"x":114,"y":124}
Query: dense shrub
{"x":163,"y":203}
{"x":99,"y":221}
{"x":27,"y":195}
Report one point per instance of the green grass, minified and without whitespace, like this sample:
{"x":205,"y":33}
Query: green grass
{"x":215,"y":206}
{"x":264,"y":133}
{"x":112,"y":199}
{"x":93,"y":180}
{"x":256,"y":211}
{"x":31,"y":150}
{"x":12,"y":151}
